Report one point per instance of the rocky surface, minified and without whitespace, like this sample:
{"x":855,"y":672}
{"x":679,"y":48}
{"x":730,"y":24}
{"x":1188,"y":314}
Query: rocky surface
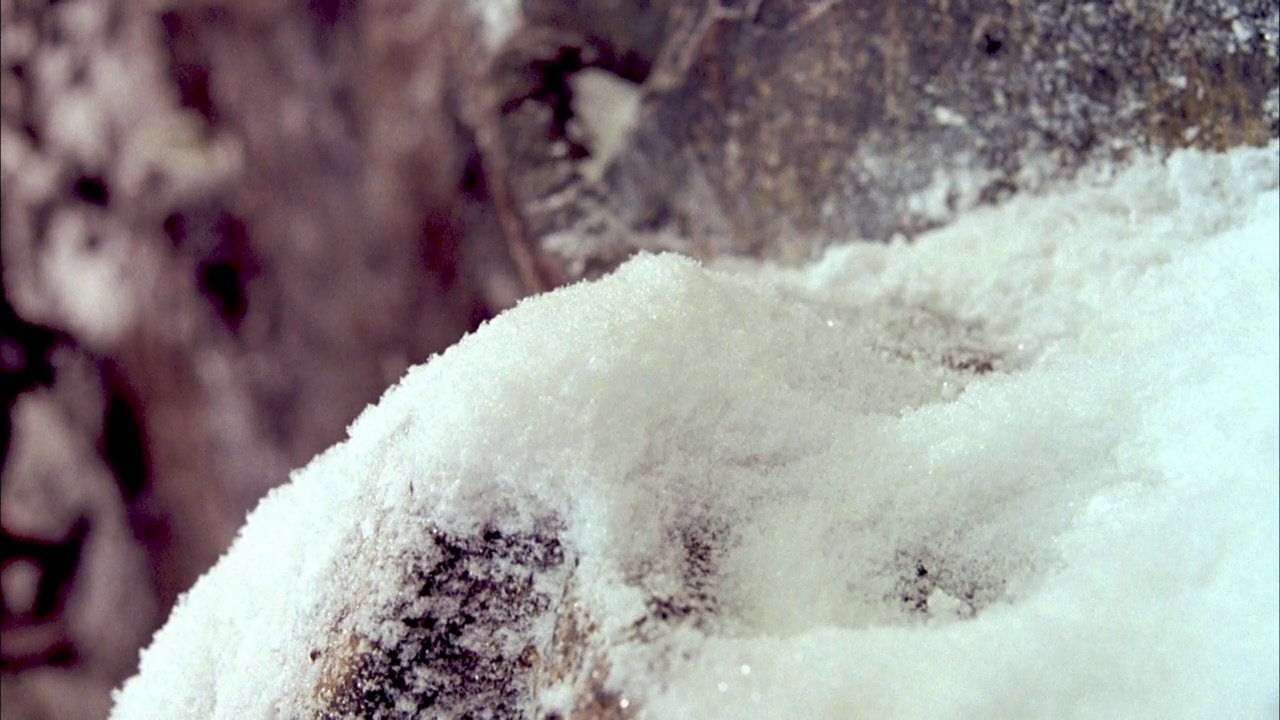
{"x":820,"y":121}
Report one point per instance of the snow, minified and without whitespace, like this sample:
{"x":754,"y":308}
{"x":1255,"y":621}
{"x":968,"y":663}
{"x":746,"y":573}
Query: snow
{"x":1028,"y":466}
{"x":498,"y":19}
{"x":91,"y":274}
{"x":609,"y":108}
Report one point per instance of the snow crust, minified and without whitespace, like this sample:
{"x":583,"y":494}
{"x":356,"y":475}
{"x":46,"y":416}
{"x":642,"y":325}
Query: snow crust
{"x":1025,"y":467}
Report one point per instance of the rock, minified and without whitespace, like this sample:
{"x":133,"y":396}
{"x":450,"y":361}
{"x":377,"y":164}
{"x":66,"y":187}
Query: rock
{"x":773,"y":129}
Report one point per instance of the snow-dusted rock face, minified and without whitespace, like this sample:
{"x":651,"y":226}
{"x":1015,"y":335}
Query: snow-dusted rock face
{"x":1025,"y":467}
{"x":774,"y":129}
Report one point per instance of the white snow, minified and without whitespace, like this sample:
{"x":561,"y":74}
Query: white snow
{"x":609,"y":109}
{"x":92,"y":274}
{"x":498,"y":19}
{"x":854,"y":524}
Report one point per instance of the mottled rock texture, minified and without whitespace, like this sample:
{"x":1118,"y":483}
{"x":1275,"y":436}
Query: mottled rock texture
{"x":774,"y":127}
{"x":231,"y":213}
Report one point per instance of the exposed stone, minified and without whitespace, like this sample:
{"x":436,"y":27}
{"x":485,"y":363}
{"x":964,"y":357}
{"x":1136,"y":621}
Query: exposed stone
{"x":773,"y":128}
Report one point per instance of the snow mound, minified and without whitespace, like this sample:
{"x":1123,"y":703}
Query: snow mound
{"x":1025,"y":467}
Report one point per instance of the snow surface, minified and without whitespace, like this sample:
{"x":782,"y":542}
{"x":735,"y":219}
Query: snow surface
{"x":1028,"y":466}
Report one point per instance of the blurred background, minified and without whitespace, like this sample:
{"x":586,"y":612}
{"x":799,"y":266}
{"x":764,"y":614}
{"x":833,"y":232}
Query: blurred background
{"x":229,"y":226}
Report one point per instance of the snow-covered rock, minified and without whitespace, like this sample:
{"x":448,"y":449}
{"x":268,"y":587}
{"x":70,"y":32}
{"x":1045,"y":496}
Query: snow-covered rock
{"x":1025,"y":467}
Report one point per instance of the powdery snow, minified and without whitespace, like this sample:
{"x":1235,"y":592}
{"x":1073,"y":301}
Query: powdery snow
{"x":1025,"y":467}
